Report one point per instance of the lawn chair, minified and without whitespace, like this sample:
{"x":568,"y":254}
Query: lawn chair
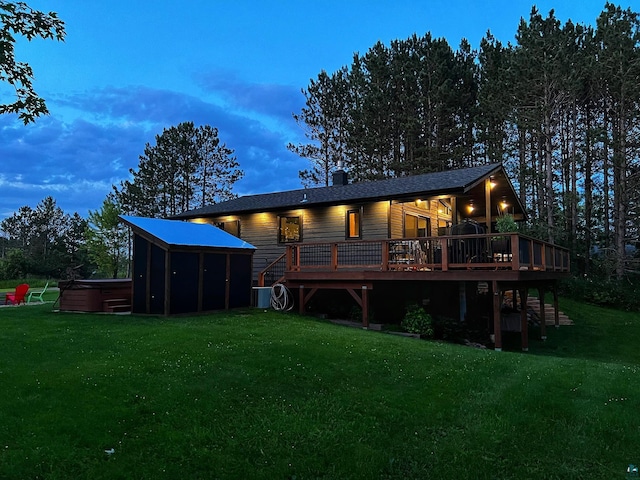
{"x":37,"y":294}
{"x":17,"y":297}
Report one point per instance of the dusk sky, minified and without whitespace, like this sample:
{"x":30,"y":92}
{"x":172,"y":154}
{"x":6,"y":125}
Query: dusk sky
{"x":129,"y":69}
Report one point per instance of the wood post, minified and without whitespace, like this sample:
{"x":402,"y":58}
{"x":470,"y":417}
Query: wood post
{"x":365,"y":307}
{"x":543,"y":319}
{"x":524,"y":323}
{"x":301,"y":299}
{"x":497,"y":322}
{"x":556,"y":308}
{"x":334,"y":256}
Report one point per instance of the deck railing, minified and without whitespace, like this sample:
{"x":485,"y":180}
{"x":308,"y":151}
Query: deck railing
{"x":274,"y":272}
{"x":485,"y":251}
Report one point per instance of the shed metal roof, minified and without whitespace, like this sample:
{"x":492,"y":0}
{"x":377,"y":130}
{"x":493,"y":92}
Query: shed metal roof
{"x":181,"y":233}
{"x":449,"y":181}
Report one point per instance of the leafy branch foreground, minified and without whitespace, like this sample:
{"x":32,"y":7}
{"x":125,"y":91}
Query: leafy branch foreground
{"x":255,"y":394}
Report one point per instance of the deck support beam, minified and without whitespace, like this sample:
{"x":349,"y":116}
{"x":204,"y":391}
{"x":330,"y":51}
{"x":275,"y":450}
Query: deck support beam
{"x":543,"y":316}
{"x":497,"y":318}
{"x":524,"y":323}
{"x":556,"y":307}
{"x":362,"y":300}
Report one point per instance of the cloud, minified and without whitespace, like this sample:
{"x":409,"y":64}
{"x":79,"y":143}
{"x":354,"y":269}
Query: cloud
{"x":279,"y":101}
{"x":78,"y":158}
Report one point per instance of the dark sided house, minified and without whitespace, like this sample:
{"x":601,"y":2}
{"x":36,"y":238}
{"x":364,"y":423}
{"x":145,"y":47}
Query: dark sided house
{"x":429,"y":238}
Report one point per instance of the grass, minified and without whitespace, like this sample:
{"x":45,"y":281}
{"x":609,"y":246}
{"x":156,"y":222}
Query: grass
{"x":253,"y":394}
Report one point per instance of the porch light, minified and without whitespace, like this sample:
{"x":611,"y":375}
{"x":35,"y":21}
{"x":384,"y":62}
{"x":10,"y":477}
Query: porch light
{"x":470,"y":207}
{"x":504,"y":205}
{"x":492,"y":182}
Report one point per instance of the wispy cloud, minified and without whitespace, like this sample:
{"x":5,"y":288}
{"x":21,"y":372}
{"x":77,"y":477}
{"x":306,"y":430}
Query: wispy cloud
{"x":279,"y":101}
{"x":76,"y":160}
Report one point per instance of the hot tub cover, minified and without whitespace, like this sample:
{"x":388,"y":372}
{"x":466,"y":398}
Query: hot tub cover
{"x":178,"y":232}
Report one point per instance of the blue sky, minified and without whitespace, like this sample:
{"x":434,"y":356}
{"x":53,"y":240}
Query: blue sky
{"x":128,"y":69}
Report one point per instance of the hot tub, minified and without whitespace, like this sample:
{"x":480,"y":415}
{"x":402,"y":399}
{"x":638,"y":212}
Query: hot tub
{"x":99,"y":295}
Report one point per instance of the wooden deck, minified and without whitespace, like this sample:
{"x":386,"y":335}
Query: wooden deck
{"x":504,"y":257}
{"x":504,"y":261}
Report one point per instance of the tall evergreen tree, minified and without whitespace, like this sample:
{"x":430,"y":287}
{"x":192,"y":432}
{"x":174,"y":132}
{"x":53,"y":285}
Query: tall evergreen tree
{"x":186,"y":168}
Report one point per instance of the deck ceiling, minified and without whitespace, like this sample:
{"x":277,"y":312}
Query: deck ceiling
{"x":503,"y":199}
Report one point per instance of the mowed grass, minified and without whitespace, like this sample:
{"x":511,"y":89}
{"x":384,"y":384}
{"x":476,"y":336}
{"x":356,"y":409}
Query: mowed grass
{"x":253,"y":394}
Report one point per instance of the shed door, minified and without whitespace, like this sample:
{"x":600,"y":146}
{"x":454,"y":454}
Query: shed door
{"x":184,"y":282}
{"x":240,"y":282}
{"x":214,"y":281}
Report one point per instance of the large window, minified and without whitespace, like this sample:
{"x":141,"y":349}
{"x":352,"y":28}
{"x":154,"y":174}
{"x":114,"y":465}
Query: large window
{"x":416,"y":226}
{"x":289,"y":229}
{"x":353,"y":227}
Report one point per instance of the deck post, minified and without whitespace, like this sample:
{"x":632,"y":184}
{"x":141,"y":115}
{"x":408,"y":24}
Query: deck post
{"x":487,"y":203}
{"x":515,"y":251}
{"x":365,"y":307}
{"x":385,"y":255}
{"x":524,"y":324}
{"x":334,"y":256}
{"x":444,"y":245}
{"x":301,"y":299}
{"x":556,"y":308}
{"x":543,"y":319}
{"x":497,"y":323}
{"x":288,"y":259}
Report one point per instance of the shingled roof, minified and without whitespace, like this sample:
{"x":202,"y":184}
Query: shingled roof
{"x":447,"y":182}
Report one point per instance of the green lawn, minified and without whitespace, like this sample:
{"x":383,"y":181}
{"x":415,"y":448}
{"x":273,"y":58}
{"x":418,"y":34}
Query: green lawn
{"x":254,"y":394}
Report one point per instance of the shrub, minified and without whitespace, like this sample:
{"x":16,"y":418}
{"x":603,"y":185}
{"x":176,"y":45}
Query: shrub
{"x":449,"y":329}
{"x":620,"y":294}
{"x":416,"y":320}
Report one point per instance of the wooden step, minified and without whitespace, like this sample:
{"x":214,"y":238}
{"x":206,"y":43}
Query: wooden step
{"x":549,"y":312}
{"x":114,"y":305}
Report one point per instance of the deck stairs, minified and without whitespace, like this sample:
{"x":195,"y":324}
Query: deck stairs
{"x":533,"y":305}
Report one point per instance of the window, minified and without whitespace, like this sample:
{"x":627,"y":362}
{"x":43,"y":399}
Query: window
{"x":416,"y":226}
{"x":289,"y":229}
{"x":353,"y":229}
{"x":232,"y":227}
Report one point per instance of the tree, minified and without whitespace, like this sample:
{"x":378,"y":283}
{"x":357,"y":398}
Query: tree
{"x":17,"y":18}
{"x":217,"y":168}
{"x":107,"y":239}
{"x":185,"y":169}
{"x":48,"y":240}
{"x":324,"y":118}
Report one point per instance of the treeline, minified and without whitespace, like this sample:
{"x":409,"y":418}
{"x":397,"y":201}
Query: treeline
{"x":560,"y":107}
{"x":44,"y":242}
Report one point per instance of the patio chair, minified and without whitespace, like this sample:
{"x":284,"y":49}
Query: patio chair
{"x":17,"y":297}
{"x":37,"y":294}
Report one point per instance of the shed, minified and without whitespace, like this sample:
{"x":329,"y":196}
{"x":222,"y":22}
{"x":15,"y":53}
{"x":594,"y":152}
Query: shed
{"x":182,"y":267}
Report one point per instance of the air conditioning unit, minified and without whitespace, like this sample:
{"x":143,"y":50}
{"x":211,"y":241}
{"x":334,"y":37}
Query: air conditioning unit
{"x":261,"y":297}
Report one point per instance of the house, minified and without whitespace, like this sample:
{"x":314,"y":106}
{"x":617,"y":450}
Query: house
{"x":421,"y":231}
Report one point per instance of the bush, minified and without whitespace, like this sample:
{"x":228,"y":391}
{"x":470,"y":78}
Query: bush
{"x":620,"y":294}
{"x":416,"y":320}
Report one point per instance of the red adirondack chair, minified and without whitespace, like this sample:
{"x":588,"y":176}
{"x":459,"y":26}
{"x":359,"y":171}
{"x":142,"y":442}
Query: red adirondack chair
{"x":17,"y":297}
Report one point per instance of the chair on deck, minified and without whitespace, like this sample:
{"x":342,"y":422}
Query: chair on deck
{"x":37,"y":294}
{"x":17,"y":297}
